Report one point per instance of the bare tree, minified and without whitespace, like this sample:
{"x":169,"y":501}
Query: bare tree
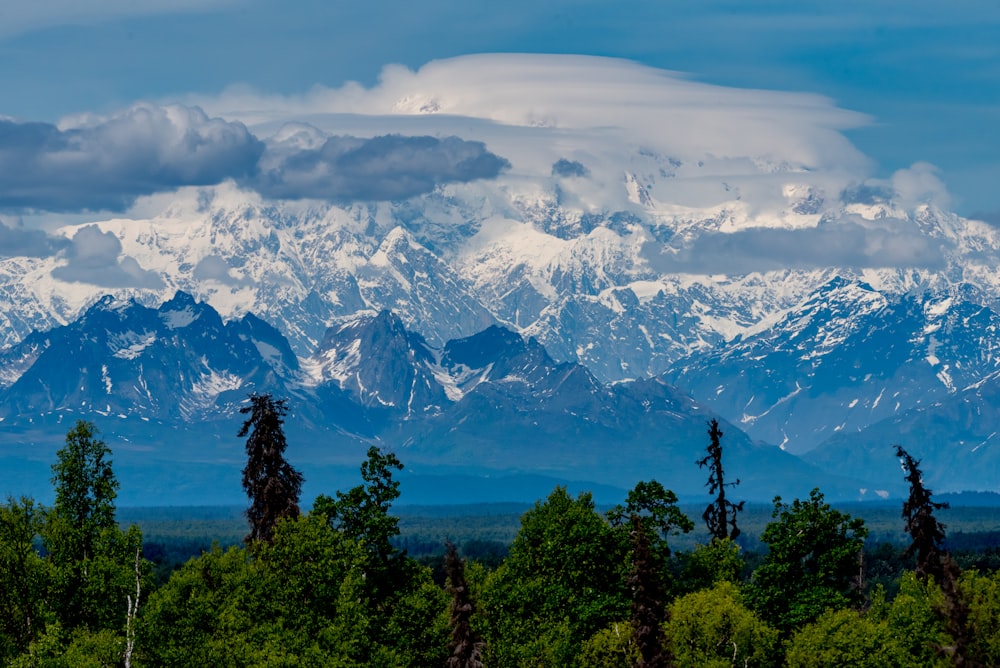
{"x":720,"y":515}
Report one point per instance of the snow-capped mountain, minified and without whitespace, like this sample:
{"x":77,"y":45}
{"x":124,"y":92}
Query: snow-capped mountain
{"x":169,"y":382}
{"x":177,"y":362}
{"x":847,"y":357}
{"x":792,"y":303}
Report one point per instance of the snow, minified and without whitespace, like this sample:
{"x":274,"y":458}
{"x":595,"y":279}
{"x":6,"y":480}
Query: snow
{"x":130,"y":345}
{"x":179,"y":319}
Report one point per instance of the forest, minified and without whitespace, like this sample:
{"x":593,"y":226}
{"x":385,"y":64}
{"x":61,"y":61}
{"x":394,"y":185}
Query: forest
{"x":576,"y":586}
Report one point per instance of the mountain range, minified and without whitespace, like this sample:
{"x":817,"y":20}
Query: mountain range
{"x":512,"y":327}
{"x":167,"y":384}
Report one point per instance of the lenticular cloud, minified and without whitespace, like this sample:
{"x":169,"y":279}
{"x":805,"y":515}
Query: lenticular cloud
{"x":572,"y":94}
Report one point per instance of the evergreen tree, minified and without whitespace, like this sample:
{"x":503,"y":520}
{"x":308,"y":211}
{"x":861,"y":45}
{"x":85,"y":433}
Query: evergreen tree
{"x":648,"y":609}
{"x":924,"y":528}
{"x":466,"y":648}
{"x":933,"y":561}
{"x":720,"y":515}
{"x":272,"y":484}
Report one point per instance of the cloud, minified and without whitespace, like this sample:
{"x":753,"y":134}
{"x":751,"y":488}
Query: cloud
{"x":95,"y":257}
{"x":21,"y":242}
{"x":214,"y":268}
{"x":662,"y":109}
{"x":920,"y":185}
{"x":564,"y":167}
{"x":388,"y":167}
{"x":105,"y":163}
{"x":848,"y":242}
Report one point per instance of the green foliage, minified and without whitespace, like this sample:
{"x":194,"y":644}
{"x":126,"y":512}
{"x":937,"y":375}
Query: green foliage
{"x":813,"y":563}
{"x":847,"y":638}
{"x":272,"y":484}
{"x":713,"y":628}
{"x":657,"y":510}
{"x":562,"y":582}
{"x":914,"y":620}
{"x":611,"y":647}
{"x":362,"y":513}
{"x":93,"y":565}
{"x":292,"y":602}
{"x":23,"y":578}
{"x":982,"y":593}
{"x":708,"y":565}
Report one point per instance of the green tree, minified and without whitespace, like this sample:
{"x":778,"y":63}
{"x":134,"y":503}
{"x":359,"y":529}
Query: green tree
{"x":652,"y":515}
{"x":363,"y":515}
{"x":813,"y":563}
{"x":934,"y":562}
{"x":23,"y":578}
{"x":92,"y":559}
{"x":397,"y":590}
{"x":97,"y":574}
{"x":563,"y":581}
{"x":657,"y":512}
{"x":720,"y":515}
{"x":847,"y":638}
{"x":297,"y":601}
{"x":713,"y":628}
{"x":707,"y":565}
{"x":272,"y":484}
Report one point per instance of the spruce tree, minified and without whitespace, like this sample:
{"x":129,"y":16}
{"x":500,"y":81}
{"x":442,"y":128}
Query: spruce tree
{"x":720,"y":515}
{"x":466,"y":648}
{"x":933,"y":561}
{"x":271,"y":483}
{"x":648,"y":608}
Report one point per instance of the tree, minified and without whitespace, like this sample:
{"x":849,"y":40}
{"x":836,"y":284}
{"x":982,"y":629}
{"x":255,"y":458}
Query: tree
{"x":648,"y":608}
{"x":86,"y":489}
{"x":713,"y":628}
{"x":271,"y":483}
{"x":562,"y":582}
{"x":95,"y":568}
{"x":720,"y":515}
{"x":466,"y":648}
{"x":23,"y":578}
{"x":812,"y":563}
{"x":933,"y":561}
{"x":652,"y":515}
{"x":924,"y":528}
{"x":657,"y":512}
{"x":362,"y":513}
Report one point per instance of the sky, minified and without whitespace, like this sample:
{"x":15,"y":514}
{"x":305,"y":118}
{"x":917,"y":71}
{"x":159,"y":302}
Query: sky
{"x":162,"y":94}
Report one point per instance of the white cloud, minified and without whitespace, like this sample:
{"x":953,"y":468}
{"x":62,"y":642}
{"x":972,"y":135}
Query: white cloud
{"x":95,"y":257}
{"x":919,"y":184}
{"x":565,"y":94}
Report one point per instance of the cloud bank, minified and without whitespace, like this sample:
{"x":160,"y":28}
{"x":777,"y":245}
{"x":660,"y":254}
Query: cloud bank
{"x":848,"y":242}
{"x":389,"y":167}
{"x":21,"y":242}
{"x":105,"y":163}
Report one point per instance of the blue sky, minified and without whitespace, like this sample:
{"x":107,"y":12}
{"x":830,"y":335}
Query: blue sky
{"x":927,"y":74}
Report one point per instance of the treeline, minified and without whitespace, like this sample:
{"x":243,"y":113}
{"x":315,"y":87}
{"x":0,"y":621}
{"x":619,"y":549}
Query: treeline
{"x":576,"y":587}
